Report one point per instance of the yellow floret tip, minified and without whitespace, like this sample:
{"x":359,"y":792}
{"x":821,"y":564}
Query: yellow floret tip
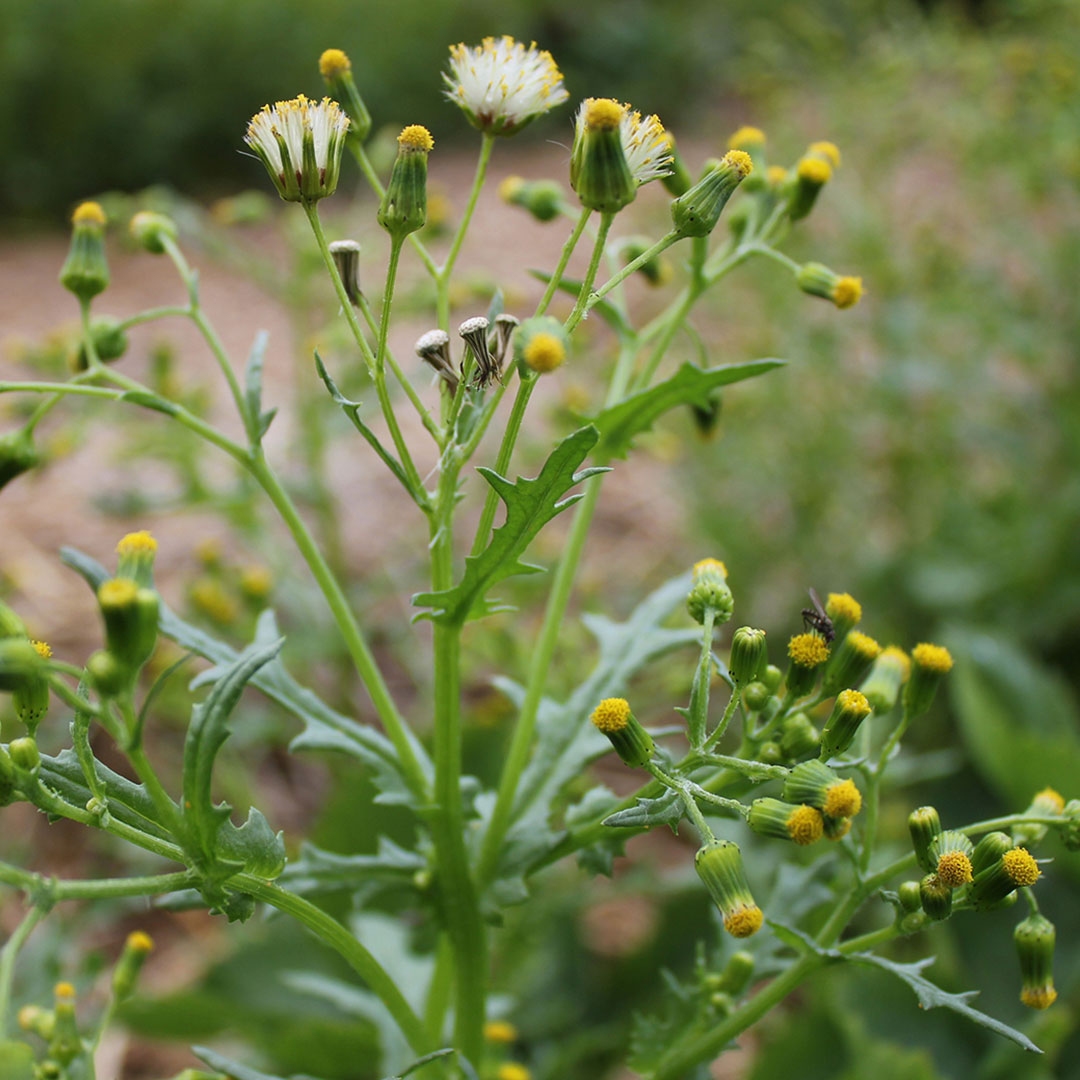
{"x":864,"y":645}
{"x":935,"y":658}
{"x":28,"y":1016}
{"x":842,"y":605}
{"x":894,"y":652}
{"x":140,"y":941}
{"x":603,"y":114}
{"x":333,"y":63}
{"x":954,"y":869}
{"x":827,"y":150}
{"x":512,"y":1070}
{"x":776,"y":175}
{"x":808,"y":650}
{"x":847,"y":292}
{"x":44,"y":650}
{"x":611,"y":715}
{"x":416,"y":137}
{"x":88,"y":213}
{"x":137,"y":543}
{"x":709,"y":566}
{"x":843,"y":800}
{"x":744,"y":921}
{"x":853,"y":701}
{"x":814,"y":170}
{"x":118,"y":591}
{"x":545,"y":352}
{"x":1021,"y":866}
{"x":510,"y":187}
{"x":500,"y":1031}
{"x":740,"y":160}
{"x":746,"y":136}
{"x":1047,"y":795}
{"x":64,"y":991}
{"x":805,"y":825}
{"x":1038,"y":997}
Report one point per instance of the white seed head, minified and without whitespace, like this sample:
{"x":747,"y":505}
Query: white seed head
{"x":645,"y":143}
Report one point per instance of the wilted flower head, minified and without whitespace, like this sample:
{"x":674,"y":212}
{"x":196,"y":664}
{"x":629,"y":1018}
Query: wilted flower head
{"x":300,"y":142}
{"x":501,"y":85}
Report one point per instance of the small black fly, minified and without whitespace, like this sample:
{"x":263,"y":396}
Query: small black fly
{"x":815,"y":619}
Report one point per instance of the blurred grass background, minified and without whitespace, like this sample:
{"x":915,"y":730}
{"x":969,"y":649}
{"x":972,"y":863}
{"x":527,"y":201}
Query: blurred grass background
{"x":922,"y":450}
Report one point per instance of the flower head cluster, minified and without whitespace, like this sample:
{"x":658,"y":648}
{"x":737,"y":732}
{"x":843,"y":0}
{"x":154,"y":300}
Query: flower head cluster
{"x":501,"y":85}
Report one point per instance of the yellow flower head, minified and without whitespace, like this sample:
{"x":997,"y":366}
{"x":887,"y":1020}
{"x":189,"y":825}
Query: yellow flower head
{"x":612,"y":714}
{"x":1038,"y":997}
{"x":88,"y":213}
{"x":1021,"y":866}
{"x":853,"y":701}
{"x":500,"y":1031}
{"x":137,"y":543}
{"x":827,"y":150}
{"x":954,"y":869}
{"x":805,"y":825}
{"x":333,"y":63}
{"x":603,"y":114}
{"x":705,"y":567}
{"x":739,"y":160}
{"x":1047,"y":799}
{"x":776,"y":175}
{"x":744,"y":921}
{"x":256,"y":582}
{"x":746,"y":136}
{"x":416,"y":137}
{"x":510,"y":187}
{"x":44,"y":650}
{"x":843,"y":800}
{"x":118,"y":592}
{"x":935,"y":658}
{"x":847,"y":292}
{"x":843,"y":606}
{"x":512,"y":1070}
{"x":139,"y":941}
{"x":896,"y":653}
{"x":64,"y":991}
{"x":808,"y":650}
{"x":864,"y":645}
{"x":544,"y":353}
{"x":814,"y":171}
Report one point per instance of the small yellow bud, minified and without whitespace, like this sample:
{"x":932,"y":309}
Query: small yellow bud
{"x":954,"y":869}
{"x":333,"y":63}
{"x":847,"y":292}
{"x":500,"y":1031}
{"x":611,"y":715}
{"x":808,"y":650}
{"x":118,"y":592}
{"x":1039,"y":997}
{"x":744,"y":922}
{"x":510,"y":188}
{"x":140,"y":941}
{"x":416,"y":137}
{"x":894,"y":652}
{"x":805,"y":825}
{"x":603,"y":114}
{"x":776,"y":175}
{"x":512,"y":1070}
{"x":88,"y":213}
{"x":544,"y":353}
{"x":1048,"y":798}
{"x":709,"y":566}
{"x":64,"y":991}
{"x":843,"y":800}
{"x":137,"y":543}
{"x":746,"y":136}
{"x":843,"y":607}
{"x":44,"y":650}
{"x":935,"y":658}
{"x":814,"y":171}
{"x":827,"y":150}
{"x":1021,"y":866}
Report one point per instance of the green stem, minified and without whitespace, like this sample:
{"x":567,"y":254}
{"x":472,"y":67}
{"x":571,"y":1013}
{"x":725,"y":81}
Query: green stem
{"x":777,"y":256}
{"x":7,"y":960}
{"x":102,"y":889}
{"x":152,"y":314}
{"x":582,"y":306}
{"x":618,"y":278}
{"x":564,"y":259}
{"x":678,"y":316}
{"x":438,"y":996}
{"x":725,"y":720}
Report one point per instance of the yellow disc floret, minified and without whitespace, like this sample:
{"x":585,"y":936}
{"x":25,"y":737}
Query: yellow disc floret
{"x":140,"y":941}
{"x":44,"y":650}
{"x":1038,"y":997}
{"x":118,"y":592}
{"x":954,"y":869}
{"x":814,"y":170}
{"x":808,"y":650}
{"x":746,"y":136}
{"x":612,"y":714}
{"x":416,"y":137}
{"x":88,"y":213}
{"x":709,"y":566}
{"x":500,"y":1031}
{"x":137,"y":543}
{"x":333,"y":63}
{"x":843,"y":606}
{"x":603,"y":114}
{"x":1021,"y":866}
{"x":805,"y":825}
{"x":744,"y":921}
{"x":935,"y":658}
{"x":853,"y":701}
{"x":894,"y":652}
{"x":1048,"y":797}
{"x":847,"y":292}
{"x":512,"y":1070}
{"x":827,"y":150}
{"x":509,"y":188}
{"x":545,"y":352}
{"x":843,"y":800}
{"x":741,"y":161}
{"x":864,"y":645}
{"x":776,"y":175}
{"x":64,"y":991}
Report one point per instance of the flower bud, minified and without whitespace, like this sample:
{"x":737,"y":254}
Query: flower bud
{"x":719,"y":865}
{"x":788,"y":821}
{"x":827,"y":151}
{"x":888,"y":673}
{"x":24,"y":754}
{"x":8,"y":779}
{"x":404,"y":206}
{"x":346,"y":256}
{"x":678,"y":181}
{"x":850,"y":661}
{"x":11,"y":626}
{"x":1070,"y":832}
{"x":748,"y":655}
{"x":136,"y":949}
{"x":811,"y":175}
{"x":136,"y":553}
{"x":844,"y":611}
{"x":1034,"y":939}
{"x":434,"y":349}
{"x":540,"y":346}
{"x":1015,"y":869}
{"x":752,"y":141}
{"x":544,"y":199}
{"x":85,"y":271}
{"x":799,"y":738}
{"x":936,"y":898}
{"x":66,"y":1044}
{"x":908,"y":894}
{"x":108,"y":339}
{"x":770,"y":753}
{"x":500,"y":1031}
{"x":599,"y":171}
{"x":849,"y":711}
{"x":807,"y":653}
{"x":710,"y":591}
{"x":656,"y":271}
{"x":772,"y":677}
{"x":131,"y":618}
{"x":632,"y":742}
{"x":150,"y":231}
{"x":836,"y":828}
{"x":924,"y":825}
{"x":108,"y":676}
{"x":929,"y":665}
{"x":950,"y":854}
{"x":20,"y":662}
{"x":696,"y":212}
{"x":989,"y":849}
{"x":814,"y":783}
{"x":335,"y":68}
{"x":755,"y":696}
{"x":737,"y":973}
{"x":31,"y":698}
{"x":818,"y":280}
{"x":17,"y":454}
{"x":1047,"y":803}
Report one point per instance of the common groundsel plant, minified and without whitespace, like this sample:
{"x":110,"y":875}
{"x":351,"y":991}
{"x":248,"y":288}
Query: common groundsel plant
{"x":797,"y":753}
